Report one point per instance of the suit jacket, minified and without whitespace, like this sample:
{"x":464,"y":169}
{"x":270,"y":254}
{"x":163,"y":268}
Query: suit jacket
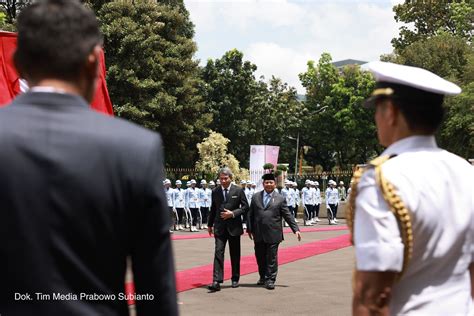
{"x":236,"y":202}
{"x":265,"y":223}
{"x":79,"y":192}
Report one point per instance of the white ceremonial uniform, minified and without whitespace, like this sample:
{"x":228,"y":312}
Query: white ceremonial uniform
{"x":437,"y":188}
{"x":248,"y":194}
{"x":317,"y":196}
{"x":307,"y":196}
{"x":169,"y":196}
{"x":205,"y":197}
{"x":332,"y":196}
{"x":297,"y":197}
{"x":179,"y":197}
{"x":290,"y":198}
{"x":192,"y":197}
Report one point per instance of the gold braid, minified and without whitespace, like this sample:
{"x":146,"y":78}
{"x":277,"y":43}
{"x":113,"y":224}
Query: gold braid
{"x":394,"y":202}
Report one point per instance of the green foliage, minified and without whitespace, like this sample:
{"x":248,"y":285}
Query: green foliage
{"x":457,"y":134}
{"x":213,"y":155}
{"x":429,"y":18}
{"x":152,"y":78}
{"x":441,"y":43}
{"x":268,"y":166}
{"x":11,"y":9}
{"x":248,"y":111}
{"x":337,"y":129}
{"x":282,"y":168}
{"x":442,"y":54}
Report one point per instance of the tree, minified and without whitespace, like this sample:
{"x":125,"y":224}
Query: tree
{"x":11,"y":9}
{"x":441,"y":42}
{"x":337,"y":129}
{"x":248,"y":111}
{"x":457,"y":134}
{"x":429,"y":18}
{"x":213,"y":155}
{"x":152,"y":77}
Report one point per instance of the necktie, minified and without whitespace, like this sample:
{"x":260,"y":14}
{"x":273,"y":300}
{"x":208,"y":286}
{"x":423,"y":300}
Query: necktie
{"x":225,"y":195}
{"x":267,"y":199}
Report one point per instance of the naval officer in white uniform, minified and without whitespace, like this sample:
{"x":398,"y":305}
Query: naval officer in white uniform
{"x":413,"y":207}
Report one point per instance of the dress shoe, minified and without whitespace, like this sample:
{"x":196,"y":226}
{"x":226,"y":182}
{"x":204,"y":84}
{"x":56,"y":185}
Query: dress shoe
{"x":215,"y":286}
{"x":261,"y":282}
{"x":235,"y":284}
{"x":270,"y":286}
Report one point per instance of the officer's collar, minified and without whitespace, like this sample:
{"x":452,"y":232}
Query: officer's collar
{"x":410,"y":143}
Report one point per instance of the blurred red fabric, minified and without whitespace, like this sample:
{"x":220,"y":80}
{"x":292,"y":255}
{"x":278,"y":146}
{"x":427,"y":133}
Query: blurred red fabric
{"x":10,"y":80}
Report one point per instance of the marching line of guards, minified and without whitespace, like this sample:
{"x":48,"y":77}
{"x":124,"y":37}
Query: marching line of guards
{"x":189,"y":207}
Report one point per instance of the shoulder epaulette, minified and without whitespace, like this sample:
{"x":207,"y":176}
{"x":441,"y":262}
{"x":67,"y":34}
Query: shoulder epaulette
{"x":396,"y":205}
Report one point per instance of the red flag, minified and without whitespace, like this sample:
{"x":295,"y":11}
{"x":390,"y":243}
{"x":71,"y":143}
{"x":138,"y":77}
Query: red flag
{"x":10,"y":80}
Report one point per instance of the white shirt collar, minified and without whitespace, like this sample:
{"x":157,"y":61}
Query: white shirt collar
{"x":409,"y":143}
{"x":228,"y":188}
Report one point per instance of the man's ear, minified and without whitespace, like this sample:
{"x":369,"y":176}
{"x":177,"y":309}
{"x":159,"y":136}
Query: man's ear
{"x":92,"y":63}
{"x":392,"y":113}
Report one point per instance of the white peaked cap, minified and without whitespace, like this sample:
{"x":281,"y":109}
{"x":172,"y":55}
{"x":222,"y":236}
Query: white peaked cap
{"x":413,"y":77}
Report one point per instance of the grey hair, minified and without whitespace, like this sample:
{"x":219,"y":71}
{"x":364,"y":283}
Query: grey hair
{"x":226,"y":171}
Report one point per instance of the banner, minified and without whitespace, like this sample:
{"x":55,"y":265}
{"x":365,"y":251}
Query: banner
{"x":11,"y":85}
{"x":260,"y":155}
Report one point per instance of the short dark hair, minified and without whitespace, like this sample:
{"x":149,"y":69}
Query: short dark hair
{"x":422,"y":115}
{"x":54,"y":39}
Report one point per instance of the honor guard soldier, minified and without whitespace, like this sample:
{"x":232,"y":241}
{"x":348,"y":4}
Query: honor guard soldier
{"x":288,"y":194}
{"x":212,"y":185}
{"x":296,"y":193}
{"x":192,"y":203}
{"x":332,"y":202}
{"x":179,"y":200}
{"x":342,"y":191}
{"x":308,"y":202}
{"x":412,"y":209}
{"x":169,"y":197}
{"x":248,"y":191}
{"x":205,"y":198}
{"x":317,"y":200}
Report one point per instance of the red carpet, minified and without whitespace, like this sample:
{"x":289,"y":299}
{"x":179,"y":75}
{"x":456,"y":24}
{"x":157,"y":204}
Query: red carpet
{"x":200,"y":276}
{"x":286,"y":231}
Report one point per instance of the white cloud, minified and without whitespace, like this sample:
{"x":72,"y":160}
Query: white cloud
{"x":280,"y":36}
{"x":282,"y":62}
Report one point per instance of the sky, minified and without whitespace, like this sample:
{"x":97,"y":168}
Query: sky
{"x":280,"y":36}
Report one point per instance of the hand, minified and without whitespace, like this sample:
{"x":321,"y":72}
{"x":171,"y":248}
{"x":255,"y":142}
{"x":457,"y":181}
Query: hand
{"x":298,"y":235}
{"x":250,"y":236}
{"x":210,"y":230}
{"x":227,"y":214}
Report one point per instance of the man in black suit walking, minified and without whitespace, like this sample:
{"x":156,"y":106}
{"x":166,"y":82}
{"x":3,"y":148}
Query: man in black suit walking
{"x":79,"y":191}
{"x":267,"y":209}
{"x":228,"y":204}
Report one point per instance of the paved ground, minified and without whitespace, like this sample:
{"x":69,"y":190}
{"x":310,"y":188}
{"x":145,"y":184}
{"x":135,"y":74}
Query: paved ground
{"x":319,"y":285}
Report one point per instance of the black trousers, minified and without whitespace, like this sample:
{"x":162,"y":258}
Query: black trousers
{"x":204,"y":214}
{"x":332,"y":211}
{"x":316,"y":209}
{"x":309,"y":211}
{"x":267,"y":260}
{"x":194,"y":215}
{"x":172,"y":216}
{"x":180,"y":211}
{"x":234,"y":249}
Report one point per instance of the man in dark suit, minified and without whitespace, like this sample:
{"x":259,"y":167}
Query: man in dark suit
{"x":228,"y":204}
{"x":79,"y":191}
{"x":267,"y":209}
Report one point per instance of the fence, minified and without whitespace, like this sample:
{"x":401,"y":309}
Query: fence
{"x":256,"y":176}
